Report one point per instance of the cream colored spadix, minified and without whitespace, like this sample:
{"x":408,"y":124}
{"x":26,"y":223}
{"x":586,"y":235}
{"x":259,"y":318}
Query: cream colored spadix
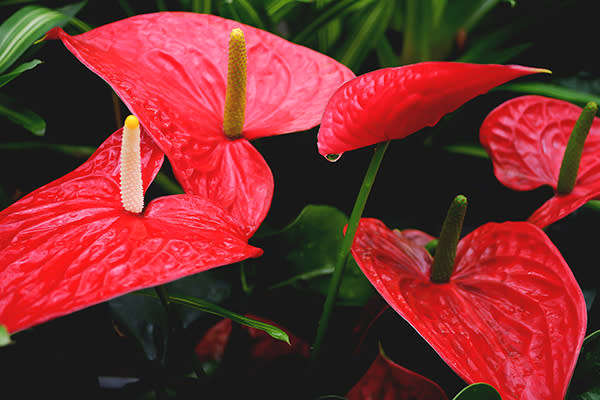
{"x":132,"y":191}
{"x":235,"y":93}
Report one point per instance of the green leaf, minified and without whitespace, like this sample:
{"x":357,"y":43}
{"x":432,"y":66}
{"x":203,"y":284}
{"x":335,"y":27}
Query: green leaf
{"x":24,"y":27}
{"x":205,"y":306}
{"x":242,"y":11}
{"x":468,"y":149}
{"x":593,"y":204}
{"x":306,"y":251}
{"x":334,"y":10}
{"x":370,"y":30}
{"x":4,"y":336}
{"x":4,"y":79}
{"x":201,"y":6}
{"x":145,"y":319}
{"x":458,"y":15}
{"x":279,"y":9}
{"x":478,"y":391}
{"x":585,"y":383}
{"x":385,"y":53}
{"x":418,"y":31}
{"x":552,"y":90}
{"x":21,"y":115}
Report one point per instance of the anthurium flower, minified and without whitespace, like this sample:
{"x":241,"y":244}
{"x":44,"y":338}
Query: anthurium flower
{"x":392,"y":103}
{"x":85,"y":238}
{"x":526,"y":138}
{"x":387,"y":380}
{"x":171,"y":70}
{"x":512,"y":315}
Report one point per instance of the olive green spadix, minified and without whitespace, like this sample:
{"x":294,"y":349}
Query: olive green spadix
{"x":572,"y":157}
{"x":235,"y":93}
{"x":445,"y":252}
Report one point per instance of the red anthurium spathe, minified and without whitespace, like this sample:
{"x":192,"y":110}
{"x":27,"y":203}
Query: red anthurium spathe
{"x":526,"y":139}
{"x":512,"y":314}
{"x":387,"y":380}
{"x":392,"y":103}
{"x":71,"y":244}
{"x":170,"y":69}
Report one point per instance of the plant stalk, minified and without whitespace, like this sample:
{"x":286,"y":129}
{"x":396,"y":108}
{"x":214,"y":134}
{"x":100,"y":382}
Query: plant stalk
{"x":336,"y":279}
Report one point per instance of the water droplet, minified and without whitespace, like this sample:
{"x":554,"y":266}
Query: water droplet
{"x":333,"y":157}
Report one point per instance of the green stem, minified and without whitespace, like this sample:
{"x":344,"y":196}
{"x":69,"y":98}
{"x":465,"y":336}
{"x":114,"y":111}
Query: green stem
{"x":572,"y":157}
{"x":163,"y":296}
{"x":445,"y":251}
{"x":336,"y":279}
{"x":174,"y":323}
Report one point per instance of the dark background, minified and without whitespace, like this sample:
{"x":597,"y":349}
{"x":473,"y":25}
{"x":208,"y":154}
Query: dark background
{"x":417,"y":180}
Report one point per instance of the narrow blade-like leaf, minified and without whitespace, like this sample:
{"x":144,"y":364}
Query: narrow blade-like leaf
{"x":208,"y":307}
{"x":370,"y":32}
{"x":22,"y":116}
{"x":5,"y":78}
{"x":24,"y":27}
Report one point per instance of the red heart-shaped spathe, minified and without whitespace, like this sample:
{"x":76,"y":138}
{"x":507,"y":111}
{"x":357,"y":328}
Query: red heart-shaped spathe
{"x":512,"y":314}
{"x":170,"y":69}
{"x":387,"y":380}
{"x":392,"y":103}
{"x":526,"y":139}
{"x":70,"y":244}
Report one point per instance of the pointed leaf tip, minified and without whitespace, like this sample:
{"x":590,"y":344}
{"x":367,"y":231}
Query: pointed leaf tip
{"x":4,"y":336}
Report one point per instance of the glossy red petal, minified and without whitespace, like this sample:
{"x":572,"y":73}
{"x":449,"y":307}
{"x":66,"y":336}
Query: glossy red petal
{"x":526,"y":139}
{"x":171,"y":71}
{"x":560,"y":205}
{"x":392,"y":103}
{"x":70,"y":244}
{"x":235,"y":176}
{"x":387,"y":380}
{"x":512,"y":314}
{"x":173,"y":65}
{"x":416,"y":236}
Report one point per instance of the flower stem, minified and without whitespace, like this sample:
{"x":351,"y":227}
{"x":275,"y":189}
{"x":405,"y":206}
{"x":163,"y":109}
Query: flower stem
{"x":175,"y":325}
{"x":163,"y":296}
{"x":336,"y":279}
{"x":572,"y":157}
{"x":445,"y":251}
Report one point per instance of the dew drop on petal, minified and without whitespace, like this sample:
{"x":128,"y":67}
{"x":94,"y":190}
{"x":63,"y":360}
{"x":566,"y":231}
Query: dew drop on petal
{"x":333,"y":157}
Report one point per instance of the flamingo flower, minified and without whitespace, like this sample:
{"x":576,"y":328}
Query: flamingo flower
{"x":392,"y":103}
{"x":526,"y":138}
{"x":511,"y":314}
{"x":387,"y":380}
{"x":87,"y":237}
{"x":171,"y":70}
